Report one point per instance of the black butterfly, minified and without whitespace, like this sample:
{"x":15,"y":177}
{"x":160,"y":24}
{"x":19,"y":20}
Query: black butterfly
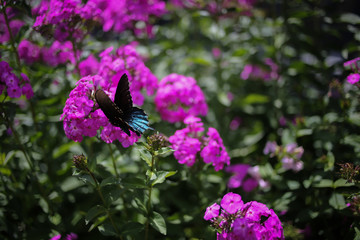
{"x":121,"y":112}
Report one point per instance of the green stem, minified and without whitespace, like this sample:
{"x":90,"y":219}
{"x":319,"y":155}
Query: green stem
{"x":113,"y":161}
{"x":75,"y":54}
{"x":11,"y":35}
{"x":16,"y":136}
{"x":104,"y":202}
{"x":153,"y":158}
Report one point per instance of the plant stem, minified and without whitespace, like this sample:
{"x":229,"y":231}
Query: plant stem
{"x":104,"y":202}
{"x":11,"y":35}
{"x":113,"y":161}
{"x":153,"y":158}
{"x":16,"y":136}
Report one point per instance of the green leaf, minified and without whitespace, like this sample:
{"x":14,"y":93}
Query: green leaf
{"x":324,"y":183}
{"x":107,"y":230}
{"x":140,"y":206}
{"x":337,"y":201}
{"x":109,"y":181}
{"x":357,"y":234}
{"x":350,"y":18}
{"x":162,"y":175}
{"x":164,"y":151}
{"x":158,"y":222}
{"x":146,"y":156}
{"x":131,"y":228}
{"x":98,"y":221}
{"x":94,"y":212}
{"x":342,"y":183}
{"x":87,"y":179}
{"x":134,"y":183}
{"x":256,"y":98}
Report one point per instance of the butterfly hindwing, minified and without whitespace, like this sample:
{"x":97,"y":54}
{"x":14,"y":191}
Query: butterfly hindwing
{"x":122,"y":96}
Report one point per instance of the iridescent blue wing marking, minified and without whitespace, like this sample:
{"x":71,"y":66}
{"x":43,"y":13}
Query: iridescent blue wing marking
{"x":121,"y":112}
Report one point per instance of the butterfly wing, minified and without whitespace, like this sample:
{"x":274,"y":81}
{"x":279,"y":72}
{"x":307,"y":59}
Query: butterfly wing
{"x":112,"y":111}
{"x":138,"y":120}
{"x":121,"y":112}
{"x":122,"y":96}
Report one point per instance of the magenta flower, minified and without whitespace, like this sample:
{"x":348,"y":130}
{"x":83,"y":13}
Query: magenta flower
{"x":235,"y":123}
{"x":289,"y":155}
{"x":353,"y":78}
{"x":58,"y":53}
{"x":258,"y":72}
{"x":121,"y":15}
{"x":179,"y":97}
{"x":252,"y":220}
{"x":270,"y":147}
{"x":14,"y":24}
{"x":14,"y":86}
{"x":89,"y":66}
{"x":81,"y":118}
{"x":71,"y":236}
{"x":60,"y":18}
{"x":127,"y":60}
{"x":214,"y":152}
{"x":353,"y":63}
{"x":212,"y":211}
{"x":231,"y":202}
{"x":188,"y":142}
{"x":29,"y":52}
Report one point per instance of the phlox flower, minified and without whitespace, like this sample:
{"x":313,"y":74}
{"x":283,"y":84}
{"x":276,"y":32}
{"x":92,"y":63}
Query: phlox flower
{"x":60,"y":18}
{"x":252,"y":71}
{"x":14,"y":24}
{"x":179,"y":97}
{"x":189,"y":142}
{"x":252,"y":220}
{"x":288,"y":155}
{"x":14,"y":86}
{"x":246,"y":177}
{"x":81,"y":118}
{"x":353,"y":78}
{"x":126,"y":59}
{"x":121,"y":15}
{"x":212,"y":211}
{"x":29,"y":51}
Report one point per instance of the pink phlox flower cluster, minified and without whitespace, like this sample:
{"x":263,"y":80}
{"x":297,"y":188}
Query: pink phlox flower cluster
{"x":58,"y":53}
{"x":71,"y":236}
{"x":189,"y":142}
{"x":81,"y":119}
{"x":355,"y":67}
{"x":234,"y":219}
{"x":178,"y":97}
{"x":257,"y":72}
{"x":59,"y":18}
{"x":121,"y":15}
{"x":89,"y":66}
{"x":214,"y":151}
{"x":246,"y":177}
{"x":127,"y":60}
{"x":14,"y":86}
{"x":14,"y":24}
{"x":289,"y":155}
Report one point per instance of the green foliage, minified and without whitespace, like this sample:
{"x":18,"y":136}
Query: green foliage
{"x":142,"y":192}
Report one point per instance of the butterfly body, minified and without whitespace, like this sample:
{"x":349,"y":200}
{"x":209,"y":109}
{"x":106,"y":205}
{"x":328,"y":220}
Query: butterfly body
{"x":121,"y":112}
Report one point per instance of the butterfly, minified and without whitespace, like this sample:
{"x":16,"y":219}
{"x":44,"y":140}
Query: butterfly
{"x":121,"y":112}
